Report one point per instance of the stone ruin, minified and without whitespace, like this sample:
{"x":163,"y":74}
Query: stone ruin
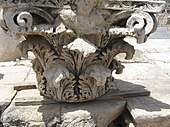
{"x":75,"y":41}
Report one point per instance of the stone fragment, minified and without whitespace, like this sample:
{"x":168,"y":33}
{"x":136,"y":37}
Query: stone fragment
{"x":102,"y":112}
{"x":29,"y":82}
{"x":149,"y":111}
{"x":79,"y":118}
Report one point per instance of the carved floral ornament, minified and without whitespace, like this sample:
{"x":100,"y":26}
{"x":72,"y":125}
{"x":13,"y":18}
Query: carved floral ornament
{"x":75,"y":41}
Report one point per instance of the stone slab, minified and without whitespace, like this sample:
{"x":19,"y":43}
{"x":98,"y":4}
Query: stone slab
{"x":31,"y":116}
{"x":152,"y":111}
{"x":151,"y":45}
{"x":32,"y":97}
{"x":159,"y":57}
{"x":29,"y":82}
{"x":136,"y":71}
{"x":30,"y":109}
{"x":149,"y":112}
{"x":6,"y":95}
{"x":30,"y":79}
{"x":13,"y":74}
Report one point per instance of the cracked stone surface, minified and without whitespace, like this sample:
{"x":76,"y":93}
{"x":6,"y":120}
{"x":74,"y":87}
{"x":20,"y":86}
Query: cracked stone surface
{"x":6,"y":95}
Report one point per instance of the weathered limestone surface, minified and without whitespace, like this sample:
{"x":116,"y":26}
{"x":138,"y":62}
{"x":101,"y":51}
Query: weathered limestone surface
{"x":153,"y":111}
{"x":12,"y":74}
{"x":6,"y":95}
{"x":30,"y":109}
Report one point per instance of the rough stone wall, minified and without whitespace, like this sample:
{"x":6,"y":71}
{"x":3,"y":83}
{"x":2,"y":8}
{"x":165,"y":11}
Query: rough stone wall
{"x":8,"y":44}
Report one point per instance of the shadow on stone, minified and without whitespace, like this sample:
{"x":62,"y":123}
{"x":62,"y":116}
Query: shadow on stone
{"x":101,"y":112}
{"x":1,"y":76}
{"x":146,"y":103}
{"x":86,"y":114}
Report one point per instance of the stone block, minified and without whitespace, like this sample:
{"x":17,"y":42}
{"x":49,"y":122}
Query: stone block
{"x":149,"y":112}
{"x":152,"y":111}
{"x":30,"y":109}
{"x":31,"y":116}
{"x":102,"y":112}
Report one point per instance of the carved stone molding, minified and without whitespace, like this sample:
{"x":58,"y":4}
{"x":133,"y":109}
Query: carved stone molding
{"x":75,"y":42}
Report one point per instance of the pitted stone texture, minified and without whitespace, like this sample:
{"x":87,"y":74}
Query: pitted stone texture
{"x":31,"y":115}
{"x":149,"y":112}
{"x":79,"y":118}
{"x":30,"y":109}
{"x":102,"y":112}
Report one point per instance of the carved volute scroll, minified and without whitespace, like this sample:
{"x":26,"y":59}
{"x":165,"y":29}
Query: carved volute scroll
{"x":75,"y":41}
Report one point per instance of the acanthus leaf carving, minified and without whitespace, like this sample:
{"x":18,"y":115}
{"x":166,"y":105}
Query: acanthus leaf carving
{"x":75,"y":49}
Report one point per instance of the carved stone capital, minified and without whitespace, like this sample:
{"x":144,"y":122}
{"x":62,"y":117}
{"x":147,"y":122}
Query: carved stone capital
{"x":75,"y":41}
